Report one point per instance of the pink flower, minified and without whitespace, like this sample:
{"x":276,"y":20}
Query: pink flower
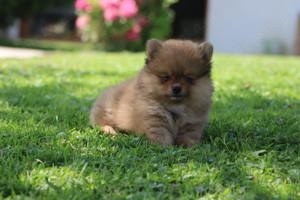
{"x":137,"y":28}
{"x":82,"y":21}
{"x":105,"y":4}
{"x":115,"y":9}
{"x":111,"y":14}
{"x":128,"y":8}
{"x":143,"y":21}
{"x":83,"y":5}
{"x":133,"y":34}
{"x":111,"y":9}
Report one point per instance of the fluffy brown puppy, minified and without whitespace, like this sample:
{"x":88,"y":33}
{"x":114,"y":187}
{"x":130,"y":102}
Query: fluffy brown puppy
{"x":168,"y":101}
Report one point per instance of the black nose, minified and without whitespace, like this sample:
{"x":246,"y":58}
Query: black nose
{"x":176,"y":90}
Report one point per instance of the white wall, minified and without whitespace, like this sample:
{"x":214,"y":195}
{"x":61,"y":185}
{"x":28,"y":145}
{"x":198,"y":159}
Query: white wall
{"x":244,"y":26}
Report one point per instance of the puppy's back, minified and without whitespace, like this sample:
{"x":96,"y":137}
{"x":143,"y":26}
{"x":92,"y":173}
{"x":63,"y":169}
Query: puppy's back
{"x":112,"y":107}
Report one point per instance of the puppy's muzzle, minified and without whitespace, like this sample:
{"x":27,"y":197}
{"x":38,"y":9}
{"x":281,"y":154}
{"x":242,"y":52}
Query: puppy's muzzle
{"x":176,"y":90}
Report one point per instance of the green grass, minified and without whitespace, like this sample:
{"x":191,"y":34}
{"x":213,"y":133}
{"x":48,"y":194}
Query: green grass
{"x":47,"y":150}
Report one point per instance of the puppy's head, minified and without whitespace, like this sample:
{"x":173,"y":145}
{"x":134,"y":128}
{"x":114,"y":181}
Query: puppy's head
{"x":174,"y":67}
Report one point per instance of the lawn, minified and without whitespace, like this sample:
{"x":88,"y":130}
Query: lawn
{"x":48,"y":44}
{"x":48,"y":151}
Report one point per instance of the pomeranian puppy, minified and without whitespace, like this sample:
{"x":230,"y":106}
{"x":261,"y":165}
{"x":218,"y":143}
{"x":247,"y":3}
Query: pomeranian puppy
{"x":168,"y":101}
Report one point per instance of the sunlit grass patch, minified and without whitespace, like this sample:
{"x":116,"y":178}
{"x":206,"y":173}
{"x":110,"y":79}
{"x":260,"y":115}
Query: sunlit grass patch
{"x":48,"y":151}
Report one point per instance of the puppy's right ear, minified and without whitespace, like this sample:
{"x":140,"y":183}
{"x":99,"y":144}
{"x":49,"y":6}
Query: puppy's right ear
{"x":153,"y":46}
{"x":206,"y":50}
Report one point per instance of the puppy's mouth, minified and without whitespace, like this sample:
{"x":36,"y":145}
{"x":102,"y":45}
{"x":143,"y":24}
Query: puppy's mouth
{"x":176,"y":97}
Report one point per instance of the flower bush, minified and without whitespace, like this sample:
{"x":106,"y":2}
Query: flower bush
{"x":123,"y":24}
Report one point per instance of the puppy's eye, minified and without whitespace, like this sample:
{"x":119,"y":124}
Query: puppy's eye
{"x":189,"y":79}
{"x":164,"y":78}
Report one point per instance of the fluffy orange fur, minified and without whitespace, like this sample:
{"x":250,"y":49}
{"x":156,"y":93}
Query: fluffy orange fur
{"x":168,"y":101}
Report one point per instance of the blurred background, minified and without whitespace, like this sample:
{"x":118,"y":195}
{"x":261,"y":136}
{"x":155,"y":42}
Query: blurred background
{"x":233,"y":26}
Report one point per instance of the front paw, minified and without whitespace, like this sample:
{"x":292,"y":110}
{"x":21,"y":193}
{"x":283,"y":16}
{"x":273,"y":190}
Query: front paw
{"x":109,"y":130}
{"x":185,"y":141}
{"x":163,"y":139}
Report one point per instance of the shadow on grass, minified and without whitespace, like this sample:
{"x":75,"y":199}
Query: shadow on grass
{"x":48,"y":45}
{"x":49,"y":128}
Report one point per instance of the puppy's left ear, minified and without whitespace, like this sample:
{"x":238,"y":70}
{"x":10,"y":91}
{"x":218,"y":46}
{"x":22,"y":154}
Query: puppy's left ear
{"x":206,"y":51}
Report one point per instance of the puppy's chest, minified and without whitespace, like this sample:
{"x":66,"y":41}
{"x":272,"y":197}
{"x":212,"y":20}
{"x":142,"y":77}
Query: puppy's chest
{"x":179,"y":116}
